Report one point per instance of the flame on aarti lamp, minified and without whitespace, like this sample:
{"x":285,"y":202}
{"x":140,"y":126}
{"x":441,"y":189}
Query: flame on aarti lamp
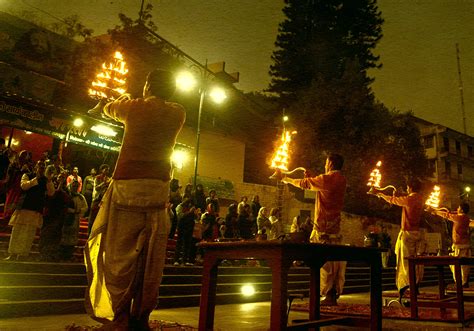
{"x":375,"y":176}
{"x":433,"y":200}
{"x":281,"y":158}
{"x":110,"y":83}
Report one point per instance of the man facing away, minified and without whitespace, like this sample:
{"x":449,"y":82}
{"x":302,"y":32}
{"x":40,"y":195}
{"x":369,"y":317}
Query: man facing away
{"x":125,"y":253}
{"x":410,"y":241}
{"x":461,"y":238}
{"x":330,"y":189}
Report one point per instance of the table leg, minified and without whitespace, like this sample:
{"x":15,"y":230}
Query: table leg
{"x":459,"y":291}
{"x":278,"y":318}
{"x":413,"y":294}
{"x":314,"y":293}
{"x":208,"y":293}
{"x":442,"y":288}
{"x":376,"y":293}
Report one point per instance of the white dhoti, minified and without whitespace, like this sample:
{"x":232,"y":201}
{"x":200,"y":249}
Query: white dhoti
{"x":332,"y":273}
{"x":461,"y":251}
{"x":24,"y":223}
{"x":409,"y":243}
{"x":126,"y":251}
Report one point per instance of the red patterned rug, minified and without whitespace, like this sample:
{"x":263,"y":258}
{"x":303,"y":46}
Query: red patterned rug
{"x":395,"y":312}
{"x":421,"y":296}
{"x":154,"y":325}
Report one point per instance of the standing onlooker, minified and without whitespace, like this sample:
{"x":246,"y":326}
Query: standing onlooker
{"x":254,"y":209}
{"x":410,"y":241}
{"x":4,"y":158}
{"x":212,"y":198}
{"x":277,"y":228}
{"x":88,"y":189}
{"x":208,"y":220}
{"x":12,"y":183}
{"x":175,"y":199}
{"x":264,"y":224}
{"x":232,"y":222}
{"x":461,"y":238}
{"x":330,"y":189}
{"x":188,"y":192}
{"x":186,"y":213}
{"x":75,"y":176}
{"x":101,"y":183}
{"x":55,"y":168}
{"x":29,"y":213}
{"x":245,"y":225}
{"x":70,"y":229}
{"x":54,"y":216}
{"x":200,"y":198}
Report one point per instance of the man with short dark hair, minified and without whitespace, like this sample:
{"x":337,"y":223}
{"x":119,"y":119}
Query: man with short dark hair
{"x":410,"y":241}
{"x":330,"y":189}
{"x":126,"y":250}
{"x":461,"y":237}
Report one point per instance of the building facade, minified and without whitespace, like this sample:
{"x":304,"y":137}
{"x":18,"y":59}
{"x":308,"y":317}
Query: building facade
{"x":451,"y":161}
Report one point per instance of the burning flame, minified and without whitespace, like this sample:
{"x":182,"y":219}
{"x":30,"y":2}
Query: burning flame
{"x":281,"y":158}
{"x":375,"y":176}
{"x":433,"y":200}
{"x":111,"y":82}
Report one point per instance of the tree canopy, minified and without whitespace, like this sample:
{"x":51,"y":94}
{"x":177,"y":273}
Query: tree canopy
{"x":324,"y":49}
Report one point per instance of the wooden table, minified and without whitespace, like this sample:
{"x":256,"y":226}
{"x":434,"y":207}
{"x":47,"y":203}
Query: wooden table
{"x":444,"y":301}
{"x":280,"y":256}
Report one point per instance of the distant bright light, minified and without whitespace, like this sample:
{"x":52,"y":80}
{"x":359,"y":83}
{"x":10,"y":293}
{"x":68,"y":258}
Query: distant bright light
{"x":15,"y":142}
{"x":28,"y":132}
{"x":185,"y":81}
{"x":467,"y":189}
{"x":247,"y":290}
{"x":218,"y":95}
{"x":78,"y":122}
{"x":178,"y":158}
{"x":104,"y":130}
{"x":285,"y":118}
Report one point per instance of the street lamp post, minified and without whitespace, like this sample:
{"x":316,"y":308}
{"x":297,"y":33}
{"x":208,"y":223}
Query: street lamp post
{"x":198,"y":131}
{"x":186,"y":82}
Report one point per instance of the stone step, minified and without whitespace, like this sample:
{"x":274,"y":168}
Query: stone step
{"x":9,"y":309}
{"x":50,"y":292}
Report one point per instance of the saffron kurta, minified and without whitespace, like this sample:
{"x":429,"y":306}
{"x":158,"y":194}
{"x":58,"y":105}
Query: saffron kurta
{"x":330,"y":190}
{"x":461,"y":240}
{"x":411,"y":240}
{"x":126,"y":250}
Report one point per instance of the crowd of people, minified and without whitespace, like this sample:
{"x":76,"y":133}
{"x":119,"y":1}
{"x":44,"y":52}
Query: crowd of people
{"x":196,"y":216}
{"x":46,"y":195}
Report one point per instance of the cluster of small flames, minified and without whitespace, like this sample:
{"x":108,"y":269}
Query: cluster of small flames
{"x":281,"y":158}
{"x":433,"y":200}
{"x":375,"y":176}
{"x":111,"y":82}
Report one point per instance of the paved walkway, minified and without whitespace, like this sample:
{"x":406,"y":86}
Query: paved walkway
{"x":249,"y":316}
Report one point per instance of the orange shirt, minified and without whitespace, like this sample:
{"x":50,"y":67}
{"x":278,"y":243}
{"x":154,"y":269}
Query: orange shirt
{"x":411,"y":212}
{"x":151,"y":128}
{"x":330,"y":188}
{"x":460,"y":227}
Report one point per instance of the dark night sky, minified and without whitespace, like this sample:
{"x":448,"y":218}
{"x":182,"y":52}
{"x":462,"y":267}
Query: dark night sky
{"x":417,"y":51}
